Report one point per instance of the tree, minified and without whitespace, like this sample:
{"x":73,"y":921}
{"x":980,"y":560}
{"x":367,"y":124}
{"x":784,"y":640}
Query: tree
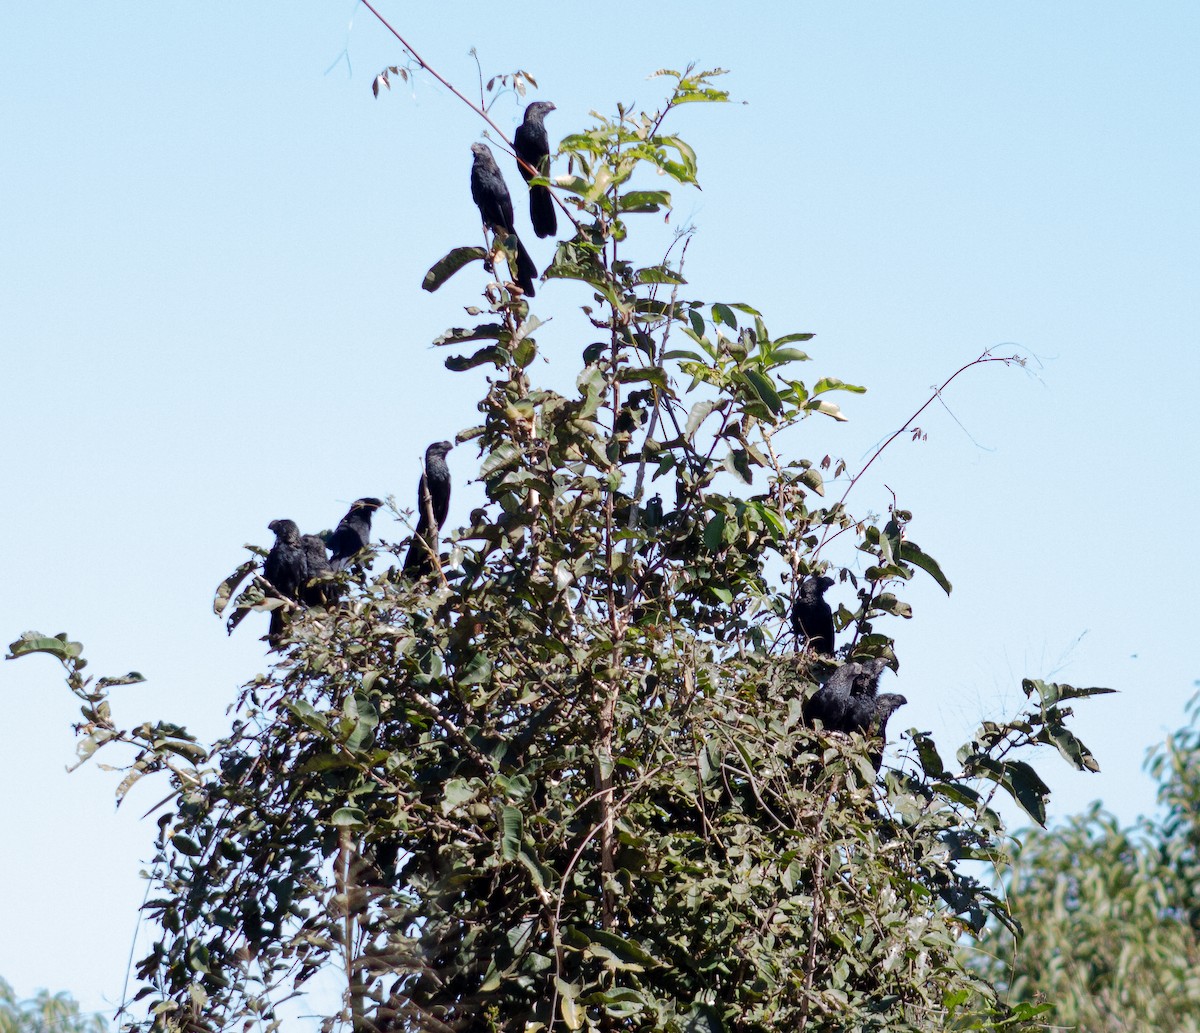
{"x":565,"y":781}
{"x":45,"y":1013}
{"x":1110,"y":914}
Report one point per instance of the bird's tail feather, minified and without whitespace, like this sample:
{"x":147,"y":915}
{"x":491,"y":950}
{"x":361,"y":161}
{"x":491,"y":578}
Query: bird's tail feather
{"x":526,"y":272}
{"x":541,"y":212}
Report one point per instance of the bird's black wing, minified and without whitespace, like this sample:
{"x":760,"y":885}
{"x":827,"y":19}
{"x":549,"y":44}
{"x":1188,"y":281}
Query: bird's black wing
{"x":490,"y":193}
{"x":433,"y":498}
{"x":316,"y":564}
{"x":812,"y":616}
{"x":350,"y":537}
{"x":831,"y":703}
{"x":346,"y":541}
{"x":533,"y":147}
{"x":284,"y":568}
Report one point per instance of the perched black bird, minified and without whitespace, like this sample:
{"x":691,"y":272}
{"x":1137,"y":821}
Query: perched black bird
{"x":849,"y":702}
{"x":846,"y":702}
{"x":533,"y":147}
{"x":812,"y":617}
{"x":352,"y":534}
{"x":433,"y":501}
{"x":284,"y":568}
{"x":885,"y":706}
{"x":316,"y":564}
{"x":495,"y":206}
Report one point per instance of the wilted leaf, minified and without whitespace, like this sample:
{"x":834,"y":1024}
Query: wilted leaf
{"x":444,"y":268}
{"x":226,"y":588}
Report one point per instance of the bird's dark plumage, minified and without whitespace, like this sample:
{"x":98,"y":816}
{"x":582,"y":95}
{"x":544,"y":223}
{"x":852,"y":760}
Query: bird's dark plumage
{"x":812,"y":616}
{"x":533,"y":148}
{"x":353,"y":533}
{"x":316,"y":564}
{"x":435,"y":482}
{"x":284,"y":568}
{"x":495,"y":207}
{"x":849,"y":702}
{"x":885,"y":705}
{"x":846,"y":702}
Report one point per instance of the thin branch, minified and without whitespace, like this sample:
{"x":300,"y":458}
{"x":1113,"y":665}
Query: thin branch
{"x":986,"y":357}
{"x":478,"y":109}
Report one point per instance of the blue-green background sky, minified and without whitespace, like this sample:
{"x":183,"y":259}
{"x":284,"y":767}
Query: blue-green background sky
{"x":211,"y":249}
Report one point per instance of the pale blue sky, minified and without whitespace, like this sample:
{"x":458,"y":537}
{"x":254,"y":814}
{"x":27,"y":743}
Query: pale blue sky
{"x":211,"y":254}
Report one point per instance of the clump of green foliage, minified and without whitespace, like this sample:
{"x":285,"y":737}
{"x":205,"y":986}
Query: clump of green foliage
{"x":1111,"y":914}
{"x":44,"y":1013}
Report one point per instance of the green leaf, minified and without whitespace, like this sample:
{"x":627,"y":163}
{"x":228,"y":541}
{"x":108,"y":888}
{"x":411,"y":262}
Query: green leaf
{"x":765,"y":390}
{"x":35,"y":642}
{"x":1072,"y":749}
{"x":457,"y":792}
{"x":132,"y":678}
{"x":825,"y":409}
{"x":446,"y":267}
{"x":512,"y":833}
{"x":738,"y":464}
{"x":713,"y":532}
{"x":461,"y":363}
{"x":702,"y":1018}
{"x":573,"y":184}
{"x":698,"y":414}
{"x":462,"y":334}
{"x":1027,"y":789}
{"x":724,"y":314}
{"x":812,"y":478}
{"x":655,"y":375}
{"x":477,"y":671}
{"x":503,"y":457}
{"x":348,"y":817}
{"x":572,"y":1014}
{"x":1051,"y":693}
{"x":911,"y":553}
{"x":186,"y":845}
{"x":366,"y":719}
{"x":888,"y":603}
{"x":927,"y":754}
{"x":626,"y":950}
{"x":779,"y":356}
{"x":833,"y":384}
{"x":645,"y":201}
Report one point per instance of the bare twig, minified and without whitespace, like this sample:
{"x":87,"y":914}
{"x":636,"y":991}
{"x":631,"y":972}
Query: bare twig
{"x":986,"y":357}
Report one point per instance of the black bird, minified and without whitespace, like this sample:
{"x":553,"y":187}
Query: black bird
{"x":435,"y":482}
{"x":533,"y":147}
{"x":495,"y":206}
{"x":284,"y":568}
{"x":352,"y":534}
{"x":316,"y":564}
{"x":812,"y":617}
{"x":846,"y":701}
{"x":885,"y":706}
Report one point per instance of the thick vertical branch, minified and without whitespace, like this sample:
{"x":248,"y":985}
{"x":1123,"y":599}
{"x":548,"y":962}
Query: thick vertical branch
{"x":344,"y":884}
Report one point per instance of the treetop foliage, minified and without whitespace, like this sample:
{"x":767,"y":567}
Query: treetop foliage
{"x":565,"y":781}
